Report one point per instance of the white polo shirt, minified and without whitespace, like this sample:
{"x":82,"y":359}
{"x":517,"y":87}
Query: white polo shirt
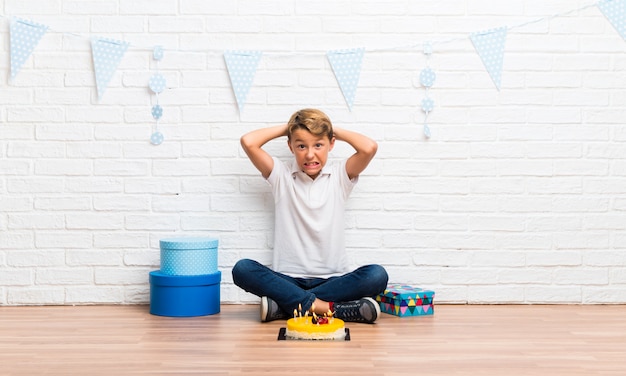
{"x":309,"y":221}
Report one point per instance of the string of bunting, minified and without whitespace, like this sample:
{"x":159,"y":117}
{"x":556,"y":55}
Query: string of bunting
{"x":345,"y":64}
{"x":427,"y":79}
{"x":157,"y":84}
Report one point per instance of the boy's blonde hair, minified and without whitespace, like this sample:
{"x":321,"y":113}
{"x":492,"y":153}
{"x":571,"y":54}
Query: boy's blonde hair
{"x":312,"y":120}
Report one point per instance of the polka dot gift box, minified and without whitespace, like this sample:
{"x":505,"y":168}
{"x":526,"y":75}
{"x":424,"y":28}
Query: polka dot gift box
{"x":188,"y":256}
{"x":405,"y":300}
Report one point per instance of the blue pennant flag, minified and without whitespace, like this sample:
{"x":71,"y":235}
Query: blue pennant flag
{"x":490,"y":47}
{"x":615,"y":12}
{"x":346,"y":65}
{"x":107,"y":55}
{"x":242,"y":66}
{"x":25,"y":36}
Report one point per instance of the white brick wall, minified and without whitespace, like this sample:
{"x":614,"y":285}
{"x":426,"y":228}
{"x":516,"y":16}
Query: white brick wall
{"x":518,"y":197}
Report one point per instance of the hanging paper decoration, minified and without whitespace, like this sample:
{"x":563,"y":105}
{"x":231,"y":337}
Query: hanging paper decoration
{"x":157,"y":85}
{"x":490,"y":47}
{"x":25,"y":35}
{"x":242,"y":66}
{"x":107,"y":55}
{"x":615,"y":12}
{"x":346,"y":65}
{"x":427,"y":79}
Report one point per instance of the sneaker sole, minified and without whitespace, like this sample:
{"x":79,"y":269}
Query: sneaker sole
{"x":376,"y":307}
{"x":264,"y":308}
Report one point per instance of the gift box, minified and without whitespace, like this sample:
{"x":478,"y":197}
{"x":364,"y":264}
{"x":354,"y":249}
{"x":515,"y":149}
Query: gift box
{"x":404,"y":300}
{"x":188,"y":256}
{"x":184,"y":296}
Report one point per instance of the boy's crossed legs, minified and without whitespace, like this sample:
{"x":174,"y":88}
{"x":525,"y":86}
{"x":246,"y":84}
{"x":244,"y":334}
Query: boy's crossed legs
{"x":348,"y":296}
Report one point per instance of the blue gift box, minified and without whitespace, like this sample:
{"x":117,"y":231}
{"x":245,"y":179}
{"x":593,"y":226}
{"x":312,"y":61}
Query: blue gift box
{"x":188,"y":256}
{"x":405,"y":300}
{"x":184,"y":296}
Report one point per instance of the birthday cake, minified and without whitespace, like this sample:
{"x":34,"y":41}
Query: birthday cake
{"x":308,"y":327}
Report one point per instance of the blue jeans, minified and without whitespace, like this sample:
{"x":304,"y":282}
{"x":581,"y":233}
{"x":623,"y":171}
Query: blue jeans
{"x":288,"y":292}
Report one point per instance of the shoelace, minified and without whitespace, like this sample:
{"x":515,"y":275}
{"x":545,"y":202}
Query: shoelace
{"x":352,"y":312}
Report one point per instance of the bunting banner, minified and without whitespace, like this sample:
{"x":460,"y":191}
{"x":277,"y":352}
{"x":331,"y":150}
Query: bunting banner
{"x":490,"y":47}
{"x":25,"y":35}
{"x":242,"y":66}
{"x":107,"y":55}
{"x":346,"y":65}
{"x":615,"y":12}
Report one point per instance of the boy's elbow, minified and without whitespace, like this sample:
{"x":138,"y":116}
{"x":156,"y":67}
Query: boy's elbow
{"x":245,"y":142}
{"x":372,"y":148}
{"x":368,"y":150}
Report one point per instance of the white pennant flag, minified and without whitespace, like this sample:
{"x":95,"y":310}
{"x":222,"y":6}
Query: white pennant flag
{"x":242,"y":66}
{"x":25,"y":36}
{"x":346,"y":65}
{"x":615,"y":12}
{"x":107,"y":55}
{"x":490,"y":47}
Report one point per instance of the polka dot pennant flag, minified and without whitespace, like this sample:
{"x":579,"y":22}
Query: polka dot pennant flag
{"x":107,"y":55}
{"x":242,"y":66}
{"x":25,"y":36}
{"x":490,"y":47}
{"x":615,"y":12}
{"x":346,"y":65}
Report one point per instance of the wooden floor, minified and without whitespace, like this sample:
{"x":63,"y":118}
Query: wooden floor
{"x":457,"y":340}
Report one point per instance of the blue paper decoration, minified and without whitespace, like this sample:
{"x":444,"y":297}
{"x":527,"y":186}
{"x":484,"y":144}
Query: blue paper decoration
{"x":157,"y":111}
{"x":428,"y":104}
{"x":242,"y":66}
{"x":427,"y":77}
{"x":156,"y":138}
{"x":157,"y":83}
{"x":615,"y":12}
{"x":25,"y":35}
{"x":490,"y":47}
{"x":157,"y":53}
{"x":107,"y":55}
{"x":346,"y":65}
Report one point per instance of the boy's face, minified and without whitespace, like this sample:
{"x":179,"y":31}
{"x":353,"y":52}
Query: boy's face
{"x":311,"y":151}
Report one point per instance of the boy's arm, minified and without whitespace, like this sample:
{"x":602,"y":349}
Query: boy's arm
{"x":252,"y":143}
{"x":365,"y":150}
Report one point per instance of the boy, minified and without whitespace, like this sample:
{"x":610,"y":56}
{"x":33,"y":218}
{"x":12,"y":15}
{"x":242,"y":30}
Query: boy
{"x":310,"y":263}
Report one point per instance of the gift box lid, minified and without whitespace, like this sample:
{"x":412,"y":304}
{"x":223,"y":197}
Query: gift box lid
{"x":188,"y":243}
{"x":404,"y":292}
{"x":161,"y":279}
